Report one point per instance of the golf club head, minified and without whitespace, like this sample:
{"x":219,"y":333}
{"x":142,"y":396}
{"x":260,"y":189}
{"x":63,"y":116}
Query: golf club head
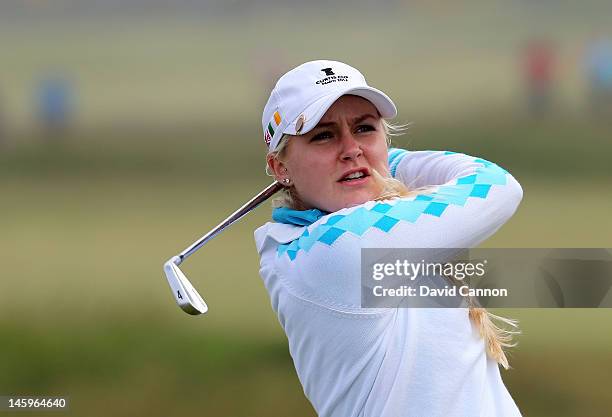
{"x":185,"y":295}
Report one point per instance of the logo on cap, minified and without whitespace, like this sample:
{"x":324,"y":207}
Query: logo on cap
{"x":276,"y":120}
{"x":331,"y":77}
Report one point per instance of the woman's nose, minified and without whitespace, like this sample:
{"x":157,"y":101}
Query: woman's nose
{"x":351,"y":149}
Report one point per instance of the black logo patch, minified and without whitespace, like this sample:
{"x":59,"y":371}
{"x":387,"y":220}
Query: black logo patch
{"x":331,"y":77}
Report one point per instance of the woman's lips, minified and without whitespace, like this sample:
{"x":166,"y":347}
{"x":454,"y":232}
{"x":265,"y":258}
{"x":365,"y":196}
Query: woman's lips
{"x":355,"y":182}
{"x":365,"y":172}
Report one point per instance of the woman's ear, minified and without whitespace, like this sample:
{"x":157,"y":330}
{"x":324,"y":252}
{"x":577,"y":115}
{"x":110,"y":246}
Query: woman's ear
{"x":276,"y":167}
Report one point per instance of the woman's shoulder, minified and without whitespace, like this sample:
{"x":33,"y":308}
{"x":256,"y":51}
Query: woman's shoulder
{"x":274,"y":233}
{"x":291,"y":238}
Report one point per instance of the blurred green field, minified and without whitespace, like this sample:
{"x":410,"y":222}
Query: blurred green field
{"x":166,"y":143}
{"x":554,"y":148}
{"x":442,"y":61}
{"x":86,"y":312}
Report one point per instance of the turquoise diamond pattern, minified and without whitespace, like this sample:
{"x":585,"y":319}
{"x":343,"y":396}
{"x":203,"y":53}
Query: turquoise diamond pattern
{"x":454,"y":194}
{"x":331,"y":235}
{"x":470,"y":179}
{"x":423,"y":197}
{"x":480,"y":190}
{"x":334,"y":219}
{"x":382,"y":207}
{"x":307,"y":240}
{"x":359,"y":221}
{"x":384,"y":216}
{"x":409,"y":210}
{"x":435,"y":209}
{"x":386,"y":223}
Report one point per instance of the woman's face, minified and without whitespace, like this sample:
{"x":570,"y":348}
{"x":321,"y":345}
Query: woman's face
{"x":331,"y":166}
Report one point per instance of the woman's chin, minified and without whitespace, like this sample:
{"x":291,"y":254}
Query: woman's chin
{"x":357,"y":199}
{"x":342,"y":198}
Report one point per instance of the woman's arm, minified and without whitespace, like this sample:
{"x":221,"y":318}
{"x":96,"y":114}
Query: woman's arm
{"x":418,"y":169}
{"x":473,"y":198}
{"x":466,"y":199}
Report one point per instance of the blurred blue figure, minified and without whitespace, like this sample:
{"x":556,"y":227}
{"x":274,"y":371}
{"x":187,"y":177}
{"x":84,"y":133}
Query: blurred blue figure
{"x":55,"y":105}
{"x":599,"y":75}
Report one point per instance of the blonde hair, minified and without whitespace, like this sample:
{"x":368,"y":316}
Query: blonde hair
{"x":496,"y":337}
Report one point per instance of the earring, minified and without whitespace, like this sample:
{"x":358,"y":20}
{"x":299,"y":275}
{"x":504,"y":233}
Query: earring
{"x":286,"y":181}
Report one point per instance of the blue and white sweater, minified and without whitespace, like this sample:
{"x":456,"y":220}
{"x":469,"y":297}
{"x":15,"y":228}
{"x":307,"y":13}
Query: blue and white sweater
{"x":404,"y":362}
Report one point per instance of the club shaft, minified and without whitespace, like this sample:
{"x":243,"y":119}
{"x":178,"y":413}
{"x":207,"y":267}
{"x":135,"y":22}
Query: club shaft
{"x":234,"y":217}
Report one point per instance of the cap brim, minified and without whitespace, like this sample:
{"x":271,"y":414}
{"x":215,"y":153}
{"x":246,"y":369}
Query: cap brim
{"x":315,"y":111}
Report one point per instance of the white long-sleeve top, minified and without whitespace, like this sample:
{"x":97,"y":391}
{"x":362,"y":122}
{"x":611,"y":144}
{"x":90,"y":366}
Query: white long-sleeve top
{"x":384,"y":362}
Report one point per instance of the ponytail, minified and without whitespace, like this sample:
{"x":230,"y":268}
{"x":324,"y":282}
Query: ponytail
{"x":496,"y":338}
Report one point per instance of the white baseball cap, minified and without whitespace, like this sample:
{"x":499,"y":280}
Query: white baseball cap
{"x":303,"y":95}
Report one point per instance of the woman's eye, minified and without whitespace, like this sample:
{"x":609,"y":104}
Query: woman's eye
{"x":365,"y":128}
{"x":321,"y":136}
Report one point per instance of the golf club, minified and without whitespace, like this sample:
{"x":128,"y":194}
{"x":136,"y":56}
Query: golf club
{"x":186,"y":296}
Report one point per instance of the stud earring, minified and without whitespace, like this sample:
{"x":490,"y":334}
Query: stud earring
{"x":286,"y":181}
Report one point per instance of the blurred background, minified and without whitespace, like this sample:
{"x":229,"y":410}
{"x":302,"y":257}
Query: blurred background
{"x":130,"y":128}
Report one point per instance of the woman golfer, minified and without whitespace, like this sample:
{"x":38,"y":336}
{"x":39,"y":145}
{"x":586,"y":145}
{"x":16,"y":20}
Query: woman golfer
{"x":344,"y":190}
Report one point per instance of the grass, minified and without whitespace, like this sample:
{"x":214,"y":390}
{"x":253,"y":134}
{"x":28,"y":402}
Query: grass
{"x":91,"y":316}
{"x":127,"y":366}
{"x":131,"y":365}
